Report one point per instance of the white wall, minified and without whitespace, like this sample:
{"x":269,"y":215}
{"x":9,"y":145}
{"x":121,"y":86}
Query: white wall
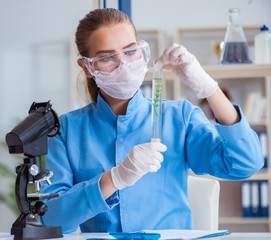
{"x":34,"y":54}
{"x":34,"y":66}
{"x":172,"y":14}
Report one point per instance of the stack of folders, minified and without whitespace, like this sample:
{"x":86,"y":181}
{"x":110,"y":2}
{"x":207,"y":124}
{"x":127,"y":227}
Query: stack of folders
{"x":255,"y":198}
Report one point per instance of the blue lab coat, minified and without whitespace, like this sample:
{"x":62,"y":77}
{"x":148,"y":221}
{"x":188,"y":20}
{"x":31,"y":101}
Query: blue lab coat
{"x":93,"y":140}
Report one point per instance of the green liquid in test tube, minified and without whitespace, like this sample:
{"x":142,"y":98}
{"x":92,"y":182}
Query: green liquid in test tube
{"x":156,"y":121}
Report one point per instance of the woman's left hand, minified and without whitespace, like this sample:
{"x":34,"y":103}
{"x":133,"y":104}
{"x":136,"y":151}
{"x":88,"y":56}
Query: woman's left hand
{"x":177,"y":59}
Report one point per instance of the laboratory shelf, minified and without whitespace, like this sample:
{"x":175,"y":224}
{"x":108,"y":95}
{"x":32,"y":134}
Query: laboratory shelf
{"x":241,"y":71}
{"x":263,"y":174}
{"x":236,"y":78}
{"x":227,"y":71}
{"x":242,"y":220}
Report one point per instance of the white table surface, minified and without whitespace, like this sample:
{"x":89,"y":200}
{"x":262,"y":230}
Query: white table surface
{"x":84,"y":236}
{"x":232,"y":236}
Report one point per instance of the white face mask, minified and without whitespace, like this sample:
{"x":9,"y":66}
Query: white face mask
{"x":124,"y":81}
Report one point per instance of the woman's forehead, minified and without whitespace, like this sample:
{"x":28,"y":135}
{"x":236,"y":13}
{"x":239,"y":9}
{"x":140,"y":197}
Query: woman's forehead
{"x":112,"y":37}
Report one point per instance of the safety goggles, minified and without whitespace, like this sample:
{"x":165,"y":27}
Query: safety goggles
{"x":109,"y":62}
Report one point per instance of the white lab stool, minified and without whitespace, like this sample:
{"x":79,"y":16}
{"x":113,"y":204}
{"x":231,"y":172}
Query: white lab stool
{"x":203,"y":197}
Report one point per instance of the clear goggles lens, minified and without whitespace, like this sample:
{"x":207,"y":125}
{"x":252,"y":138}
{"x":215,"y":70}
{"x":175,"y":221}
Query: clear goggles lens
{"x":108,"y":63}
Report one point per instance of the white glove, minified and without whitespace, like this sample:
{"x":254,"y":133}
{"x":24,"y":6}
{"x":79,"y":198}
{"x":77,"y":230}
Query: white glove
{"x":178,"y":60}
{"x":142,"y":159}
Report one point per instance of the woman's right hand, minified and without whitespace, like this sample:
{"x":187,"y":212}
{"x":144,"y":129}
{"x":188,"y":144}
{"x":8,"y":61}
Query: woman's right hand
{"x":142,"y":159}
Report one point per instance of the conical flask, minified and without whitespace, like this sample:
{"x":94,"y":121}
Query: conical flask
{"x":235,"y":48}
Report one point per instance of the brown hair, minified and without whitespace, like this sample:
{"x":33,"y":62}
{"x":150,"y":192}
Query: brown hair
{"x":91,"y":22}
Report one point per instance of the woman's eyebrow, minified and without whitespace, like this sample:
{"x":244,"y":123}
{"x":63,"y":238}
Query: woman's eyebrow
{"x":114,"y":51}
{"x":130,"y":45}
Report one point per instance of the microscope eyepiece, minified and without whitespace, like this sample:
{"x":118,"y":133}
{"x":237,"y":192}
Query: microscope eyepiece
{"x":30,"y":136}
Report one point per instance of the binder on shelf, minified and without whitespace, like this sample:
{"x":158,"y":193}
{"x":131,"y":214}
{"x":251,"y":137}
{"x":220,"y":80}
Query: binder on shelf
{"x":255,"y":205}
{"x":245,"y":199}
{"x":264,"y":199}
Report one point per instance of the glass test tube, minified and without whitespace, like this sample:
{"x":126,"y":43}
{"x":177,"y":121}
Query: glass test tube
{"x":156,"y":121}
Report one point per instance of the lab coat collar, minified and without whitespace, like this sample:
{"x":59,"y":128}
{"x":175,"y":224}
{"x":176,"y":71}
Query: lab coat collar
{"x":132,"y":105}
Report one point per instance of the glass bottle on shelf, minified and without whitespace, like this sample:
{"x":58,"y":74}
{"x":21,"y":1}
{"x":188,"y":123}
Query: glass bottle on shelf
{"x":235,"y":48}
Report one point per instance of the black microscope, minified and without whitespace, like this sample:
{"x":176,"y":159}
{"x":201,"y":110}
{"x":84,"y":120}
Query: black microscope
{"x":29,"y":138}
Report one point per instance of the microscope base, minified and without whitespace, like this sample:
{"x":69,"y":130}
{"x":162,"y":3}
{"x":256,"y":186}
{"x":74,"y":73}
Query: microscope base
{"x":33,"y":230}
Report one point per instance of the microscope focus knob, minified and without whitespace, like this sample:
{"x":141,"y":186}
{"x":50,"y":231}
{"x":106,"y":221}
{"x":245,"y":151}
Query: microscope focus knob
{"x":34,"y":170}
{"x":40,"y":208}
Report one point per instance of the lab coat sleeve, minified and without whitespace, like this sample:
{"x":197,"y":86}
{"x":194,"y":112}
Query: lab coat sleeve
{"x":76,"y":203}
{"x":230,"y":152}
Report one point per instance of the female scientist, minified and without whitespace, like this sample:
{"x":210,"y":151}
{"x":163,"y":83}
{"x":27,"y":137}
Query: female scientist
{"x":109,"y":176}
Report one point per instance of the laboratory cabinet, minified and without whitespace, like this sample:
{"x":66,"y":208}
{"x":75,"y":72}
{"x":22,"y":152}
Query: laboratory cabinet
{"x":249,"y":86}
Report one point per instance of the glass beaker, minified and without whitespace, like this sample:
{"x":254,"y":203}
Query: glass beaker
{"x":235,"y":48}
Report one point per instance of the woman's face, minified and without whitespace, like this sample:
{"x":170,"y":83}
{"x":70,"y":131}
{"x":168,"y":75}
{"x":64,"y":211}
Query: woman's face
{"x":113,"y":45}
{"x":111,"y":39}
